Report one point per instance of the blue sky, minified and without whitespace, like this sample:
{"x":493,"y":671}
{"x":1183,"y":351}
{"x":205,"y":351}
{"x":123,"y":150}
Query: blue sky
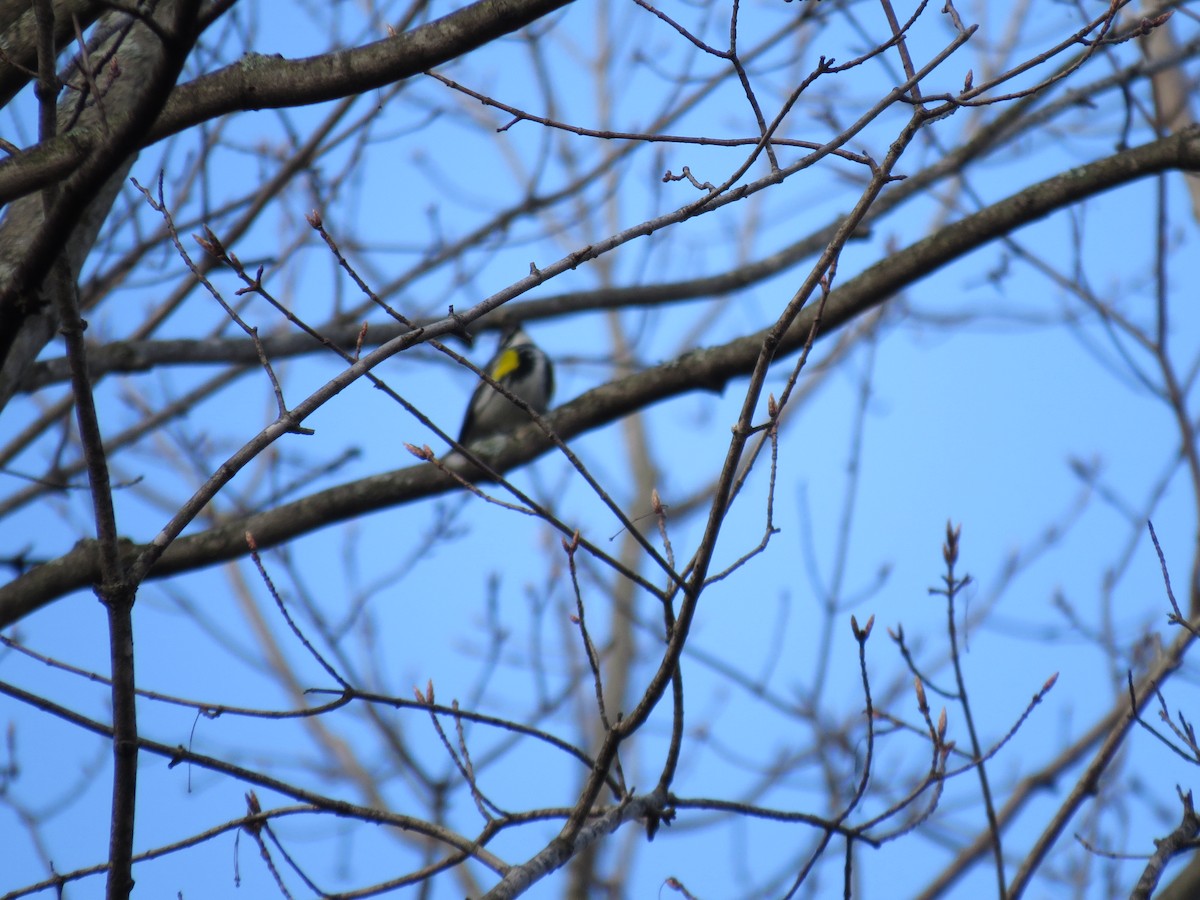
{"x":982,"y":398}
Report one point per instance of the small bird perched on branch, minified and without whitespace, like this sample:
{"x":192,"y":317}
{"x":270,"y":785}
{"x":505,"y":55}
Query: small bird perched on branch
{"x":525,"y":371}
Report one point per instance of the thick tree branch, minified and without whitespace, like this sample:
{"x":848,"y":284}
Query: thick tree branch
{"x":34,"y":241}
{"x":138,"y":356}
{"x":707,"y":369}
{"x":19,"y":38}
{"x":271,"y":82}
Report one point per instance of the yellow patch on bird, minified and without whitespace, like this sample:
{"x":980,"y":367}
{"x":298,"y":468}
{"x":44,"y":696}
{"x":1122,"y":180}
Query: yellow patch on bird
{"x":507,"y":363}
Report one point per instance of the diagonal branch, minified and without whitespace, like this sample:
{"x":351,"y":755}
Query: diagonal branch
{"x":258,"y":82}
{"x":707,"y":370}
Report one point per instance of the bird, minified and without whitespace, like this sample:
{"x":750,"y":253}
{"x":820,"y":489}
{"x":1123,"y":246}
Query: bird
{"x":525,"y":370}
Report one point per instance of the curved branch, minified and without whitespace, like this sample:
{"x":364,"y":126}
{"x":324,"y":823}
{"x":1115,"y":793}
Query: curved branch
{"x":143,"y":355}
{"x":707,"y":369}
{"x":270,"y":82}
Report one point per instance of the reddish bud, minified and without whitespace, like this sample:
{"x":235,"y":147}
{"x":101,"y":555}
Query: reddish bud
{"x":950,"y":548}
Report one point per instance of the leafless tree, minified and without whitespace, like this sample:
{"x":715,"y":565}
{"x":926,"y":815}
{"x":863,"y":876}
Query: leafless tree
{"x":246,"y":253}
